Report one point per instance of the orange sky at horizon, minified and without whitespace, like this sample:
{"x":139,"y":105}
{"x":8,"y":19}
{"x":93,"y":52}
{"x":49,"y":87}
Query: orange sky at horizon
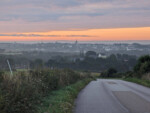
{"x":141,"y":33}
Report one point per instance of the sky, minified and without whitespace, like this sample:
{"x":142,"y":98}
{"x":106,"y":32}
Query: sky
{"x":33,"y":20}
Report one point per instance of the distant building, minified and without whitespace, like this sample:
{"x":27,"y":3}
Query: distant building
{"x":75,"y":59}
{"x":102,"y":55}
{"x":91,"y":54}
{"x":76,"y":42}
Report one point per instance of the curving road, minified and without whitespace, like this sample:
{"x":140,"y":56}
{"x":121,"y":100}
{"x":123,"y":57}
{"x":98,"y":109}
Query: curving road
{"x":113,"y":96}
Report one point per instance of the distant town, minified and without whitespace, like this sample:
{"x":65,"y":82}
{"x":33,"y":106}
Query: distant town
{"x":76,"y":48}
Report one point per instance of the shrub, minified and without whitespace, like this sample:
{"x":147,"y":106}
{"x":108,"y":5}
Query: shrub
{"x":111,"y":72}
{"x":146,"y":76}
{"x":20,"y":92}
{"x":143,"y":64}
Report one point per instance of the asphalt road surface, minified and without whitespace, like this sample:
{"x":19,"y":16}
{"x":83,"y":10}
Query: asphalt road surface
{"x":113,"y":96}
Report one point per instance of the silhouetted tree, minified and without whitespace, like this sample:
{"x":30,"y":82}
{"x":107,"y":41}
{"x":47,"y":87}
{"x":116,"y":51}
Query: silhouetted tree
{"x":142,"y":66}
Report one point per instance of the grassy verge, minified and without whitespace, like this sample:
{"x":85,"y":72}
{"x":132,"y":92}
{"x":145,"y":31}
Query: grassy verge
{"x":138,"y":81}
{"x":62,"y":101}
{"x":25,"y":89}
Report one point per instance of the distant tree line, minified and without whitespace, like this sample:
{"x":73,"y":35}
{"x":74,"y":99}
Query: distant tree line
{"x":88,"y":62}
{"x":140,"y":70}
{"x":120,"y":62}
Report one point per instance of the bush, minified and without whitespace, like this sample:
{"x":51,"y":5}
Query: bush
{"x":20,"y":92}
{"x":141,"y":69}
{"x":111,"y":72}
{"x":146,"y":76}
{"x":143,"y":65}
{"x":129,"y":74}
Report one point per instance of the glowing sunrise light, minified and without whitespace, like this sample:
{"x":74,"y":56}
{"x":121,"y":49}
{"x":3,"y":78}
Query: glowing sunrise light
{"x":141,"y":33}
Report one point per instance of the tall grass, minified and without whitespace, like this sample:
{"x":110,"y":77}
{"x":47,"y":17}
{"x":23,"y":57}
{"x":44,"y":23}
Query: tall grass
{"x":146,"y":76}
{"x":62,"y":101}
{"x":20,"y":92}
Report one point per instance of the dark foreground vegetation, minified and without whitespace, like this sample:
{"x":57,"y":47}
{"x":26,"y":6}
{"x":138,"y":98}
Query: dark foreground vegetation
{"x":140,"y":73}
{"x":22,"y":91}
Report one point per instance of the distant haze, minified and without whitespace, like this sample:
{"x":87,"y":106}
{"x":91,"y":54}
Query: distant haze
{"x":144,"y":42}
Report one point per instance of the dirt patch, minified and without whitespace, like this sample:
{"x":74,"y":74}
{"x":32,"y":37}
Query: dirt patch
{"x":112,"y":82}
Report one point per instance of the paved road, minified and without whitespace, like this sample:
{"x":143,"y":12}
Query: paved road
{"x":113,"y":96}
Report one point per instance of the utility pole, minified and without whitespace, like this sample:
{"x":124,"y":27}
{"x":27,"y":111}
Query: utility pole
{"x":11,"y":73}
